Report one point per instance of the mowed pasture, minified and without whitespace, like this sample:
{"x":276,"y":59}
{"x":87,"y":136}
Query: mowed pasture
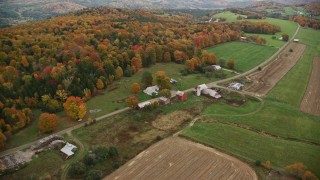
{"x":311,"y":101}
{"x":253,"y":146}
{"x":264,"y":80}
{"x":177,"y":158}
{"x":245,"y":55}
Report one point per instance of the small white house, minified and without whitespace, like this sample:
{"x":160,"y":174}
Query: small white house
{"x":69,"y":149}
{"x":216,"y":67}
{"x":200,"y":88}
{"x":295,"y":40}
{"x":243,"y":38}
{"x":144,"y":104}
{"x":151,"y":90}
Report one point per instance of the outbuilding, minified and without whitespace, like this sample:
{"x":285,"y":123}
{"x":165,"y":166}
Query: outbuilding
{"x":69,"y":149}
{"x":181,"y":96}
{"x":144,"y":104}
{"x":200,"y":88}
{"x":216,"y":67}
{"x":211,"y":93}
{"x":236,"y":86}
{"x":296,"y":40}
{"x":164,"y":100}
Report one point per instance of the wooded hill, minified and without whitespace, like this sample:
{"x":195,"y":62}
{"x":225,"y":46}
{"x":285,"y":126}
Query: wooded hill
{"x":43,"y":63}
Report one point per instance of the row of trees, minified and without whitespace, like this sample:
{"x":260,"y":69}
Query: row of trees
{"x":307,"y":22}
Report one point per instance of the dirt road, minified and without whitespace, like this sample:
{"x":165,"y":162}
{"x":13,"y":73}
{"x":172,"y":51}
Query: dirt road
{"x":311,"y":100}
{"x":178,"y":158}
{"x":267,"y":78}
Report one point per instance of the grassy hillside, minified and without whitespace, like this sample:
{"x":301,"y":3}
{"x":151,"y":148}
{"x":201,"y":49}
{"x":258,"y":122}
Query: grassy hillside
{"x":245,"y":55}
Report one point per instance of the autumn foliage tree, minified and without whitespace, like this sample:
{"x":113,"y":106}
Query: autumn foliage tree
{"x":132,"y":101}
{"x":47,"y":122}
{"x":285,"y":37}
{"x":267,"y":164}
{"x":100,"y":84}
{"x":2,"y":140}
{"x":135,"y":88}
{"x":75,"y":107}
{"x":231,"y":64}
{"x":162,"y":80}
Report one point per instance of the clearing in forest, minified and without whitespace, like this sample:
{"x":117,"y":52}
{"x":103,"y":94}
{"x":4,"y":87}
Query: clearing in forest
{"x":177,"y":158}
{"x":264,"y":80}
{"x":311,"y":101}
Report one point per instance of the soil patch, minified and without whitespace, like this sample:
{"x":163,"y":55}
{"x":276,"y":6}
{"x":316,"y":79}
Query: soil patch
{"x":171,"y":121}
{"x":311,"y":100}
{"x":267,"y":78}
{"x":178,"y":158}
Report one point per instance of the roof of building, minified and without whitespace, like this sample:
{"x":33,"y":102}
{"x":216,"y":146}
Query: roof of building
{"x":163,"y":99}
{"x":68,"y":149}
{"x":216,"y":67}
{"x":202,"y":86}
{"x":180,"y":93}
{"x":150,"y":90}
{"x":143,"y":104}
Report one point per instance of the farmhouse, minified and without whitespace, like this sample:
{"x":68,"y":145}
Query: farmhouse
{"x":211,"y":93}
{"x":181,"y":96}
{"x":151,"y":90}
{"x":216,"y":67}
{"x":200,"y":88}
{"x":69,"y":149}
{"x":236,"y":86}
{"x":144,"y":104}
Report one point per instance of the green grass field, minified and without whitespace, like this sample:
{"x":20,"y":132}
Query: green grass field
{"x":279,"y":116}
{"x":246,"y":55}
{"x":287,"y":27}
{"x":252,"y":146}
{"x":289,"y":11}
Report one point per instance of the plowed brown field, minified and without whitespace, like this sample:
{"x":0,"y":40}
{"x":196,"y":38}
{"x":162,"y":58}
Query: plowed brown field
{"x":264,"y":80}
{"x":311,"y":100}
{"x":177,"y":158}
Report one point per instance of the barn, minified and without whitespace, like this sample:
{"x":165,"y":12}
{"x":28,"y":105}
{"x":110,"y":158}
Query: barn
{"x":211,"y":93}
{"x":181,"y":96}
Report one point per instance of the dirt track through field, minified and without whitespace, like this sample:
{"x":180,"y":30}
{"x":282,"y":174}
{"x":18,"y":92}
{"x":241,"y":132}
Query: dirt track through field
{"x":264,"y":80}
{"x":311,"y":100}
{"x":178,"y":158}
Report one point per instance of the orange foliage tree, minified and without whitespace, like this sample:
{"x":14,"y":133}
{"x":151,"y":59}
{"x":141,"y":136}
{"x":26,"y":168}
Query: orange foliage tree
{"x":132,"y":101}
{"x":100,"y":84}
{"x":75,"y":107}
{"x":296,"y":169}
{"x":231,"y":64}
{"x":47,"y":122}
{"x":135,"y":88}
{"x":267,"y":164}
{"x":2,"y":140}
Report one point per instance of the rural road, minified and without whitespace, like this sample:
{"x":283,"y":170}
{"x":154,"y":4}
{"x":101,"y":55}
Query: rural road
{"x":210,"y":85}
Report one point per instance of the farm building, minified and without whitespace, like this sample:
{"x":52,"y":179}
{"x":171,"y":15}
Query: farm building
{"x":216,"y":67}
{"x":295,"y":40}
{"x":144,"y":104}
{"x":243,"y":38}
{"x":200,"y":88}
{"x":151,"y":90}
{"x":236,"y":86}
{"x":211,"y":93}
{"x":69,"y":149}
{"x":181,"y":96}
{"x":164,"y":100}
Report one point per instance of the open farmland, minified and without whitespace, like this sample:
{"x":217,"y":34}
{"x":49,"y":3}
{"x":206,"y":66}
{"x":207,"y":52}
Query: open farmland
{"x":253,"y":146}
{"x":245,"y":55}
{"x":263,"y":81}
{"x":311,"y":101}
{"x":176,"y":158}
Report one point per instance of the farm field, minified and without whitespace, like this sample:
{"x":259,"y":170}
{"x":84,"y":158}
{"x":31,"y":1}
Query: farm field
{"x":252,"y":146}
{"x":311,"y":101}
{"x":264,"y":80}
{"x":245,"y":55}
{"x":177,"y":158}
{"x":279,"y":116}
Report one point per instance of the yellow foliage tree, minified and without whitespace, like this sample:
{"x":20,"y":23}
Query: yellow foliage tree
{"x":47,"y":122}
{"x":100,"y":84}
{"x":75,"y":107}
{"x":267,"y":164}
{"x":119,"y":72}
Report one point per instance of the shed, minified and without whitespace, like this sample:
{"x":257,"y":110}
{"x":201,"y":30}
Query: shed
{"x":69,"y":149}
{"x":164,"y":100}
{"x":236,"y":86}
{"x":216,"y":67}
{"x":173,"y":81}
{"x":181,"y":96}
{"x":144,"y":104}
{"x":295,"y":40}
{"x":200,"y":88}
{"x":211,"y":93}
{"x":243,"y":38}
{"x":151,"y":90}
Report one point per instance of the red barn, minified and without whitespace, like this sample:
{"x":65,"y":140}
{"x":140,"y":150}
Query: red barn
{"x":181,"y":96}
